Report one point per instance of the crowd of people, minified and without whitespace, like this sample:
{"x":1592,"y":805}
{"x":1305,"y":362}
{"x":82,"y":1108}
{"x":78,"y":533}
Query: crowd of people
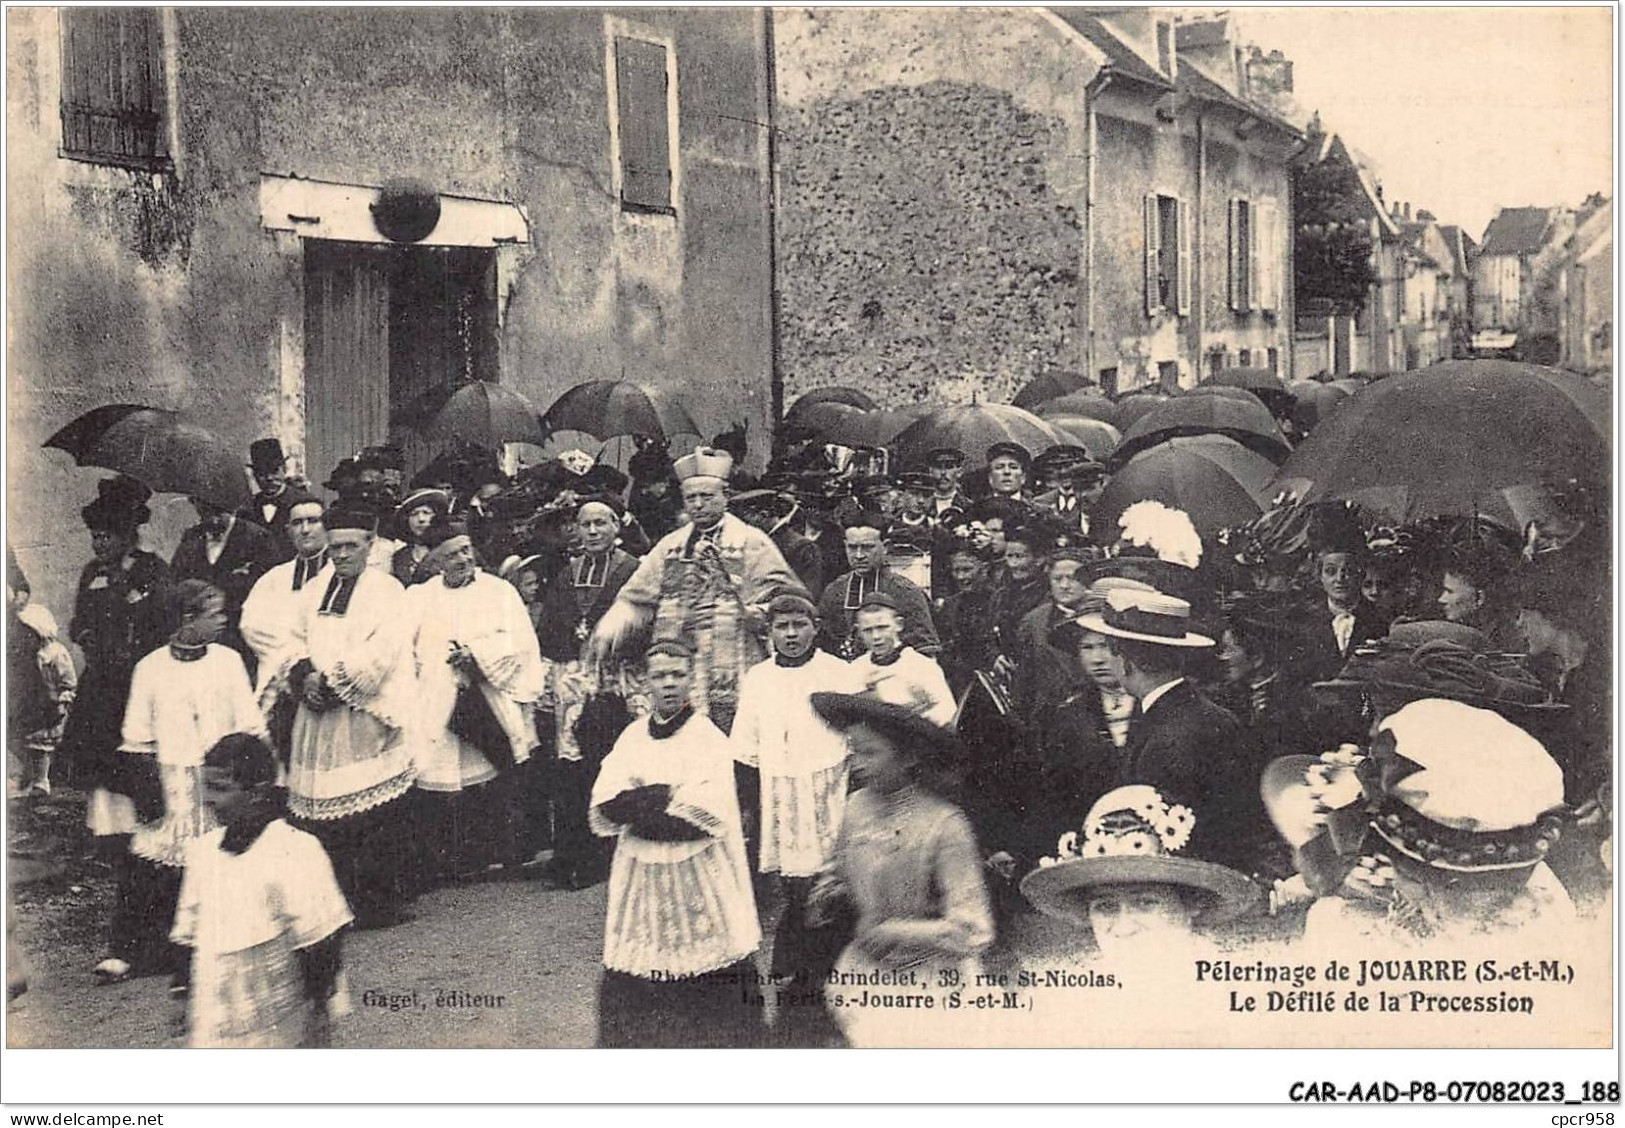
{"x":818,"y":726}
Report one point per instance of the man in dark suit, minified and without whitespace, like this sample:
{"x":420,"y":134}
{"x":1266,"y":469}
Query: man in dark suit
{"x":269,"y":508}
{"x":774,"y":513}
{"x":1192,"y":751}
{"x":1073,"y":482}
{"x":231,"y":554}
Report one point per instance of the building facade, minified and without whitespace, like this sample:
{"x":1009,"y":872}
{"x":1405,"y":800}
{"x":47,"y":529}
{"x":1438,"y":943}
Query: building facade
{"x":193,"y":193}
{"x":1587,"y":288}
{"x":1516,"y":278}
{"x":970,"y":197}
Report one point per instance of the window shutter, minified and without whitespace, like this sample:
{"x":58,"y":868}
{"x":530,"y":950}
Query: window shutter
{"x":1153,"y":248}
{"x":640,"y":78}
{"x":1184,"y":265}
{"x":1253,"y":257}
{"x":1269,"y":274}
{"x":112,"y":83}
{"x":1238,"y":299}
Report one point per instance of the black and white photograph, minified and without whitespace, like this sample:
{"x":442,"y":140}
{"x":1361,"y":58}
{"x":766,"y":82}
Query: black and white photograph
{"x":1063,"y":527}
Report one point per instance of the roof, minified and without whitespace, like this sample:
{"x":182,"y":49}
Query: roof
{"x":1195,"y":84}
{"x":1413,"y":237}
{"x":1517,"y":231}
{"x":1328,"y":145}
{"x":1120,"y":57}
{"x":1459,"y":242}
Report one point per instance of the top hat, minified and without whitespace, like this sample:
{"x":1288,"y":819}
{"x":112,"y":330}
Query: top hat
{"x":705,"y":462}
{"x":1132,"y":836}
{"x":265,"y":456}
{"x":120,"y":505}
{"x":1145,"y":616}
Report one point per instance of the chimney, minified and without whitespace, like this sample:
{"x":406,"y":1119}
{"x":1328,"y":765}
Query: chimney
{"x":1407,"y":212}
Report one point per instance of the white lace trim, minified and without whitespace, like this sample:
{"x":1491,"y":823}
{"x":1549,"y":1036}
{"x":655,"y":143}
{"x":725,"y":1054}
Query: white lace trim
{"x":342,"y":806}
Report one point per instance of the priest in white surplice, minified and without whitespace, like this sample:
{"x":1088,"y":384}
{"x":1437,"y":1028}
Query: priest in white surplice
{"x":350,"y":763}
{"x":473,"y":636}
{"x":273,"y":613}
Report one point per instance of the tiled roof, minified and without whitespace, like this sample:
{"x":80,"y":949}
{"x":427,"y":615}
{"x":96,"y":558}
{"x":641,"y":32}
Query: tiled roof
{"x":1124,"y":60}
{"x":1517,"y":231}
{"x":1194,"y":83}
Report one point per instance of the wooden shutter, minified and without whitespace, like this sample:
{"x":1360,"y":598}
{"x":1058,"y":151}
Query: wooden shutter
{"x":346,"y":351}
{"x":1250,"y":236}
{"x":1266,"y":241}
{"x":1184,"y":264}
{"x":112,"y":84}
{"x":645,"y":140}
{"x":1238,"y":298}
{"x":1153,"y":250}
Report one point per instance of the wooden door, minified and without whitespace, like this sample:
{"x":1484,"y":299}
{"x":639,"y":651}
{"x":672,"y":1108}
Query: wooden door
{"x":346,"y":352}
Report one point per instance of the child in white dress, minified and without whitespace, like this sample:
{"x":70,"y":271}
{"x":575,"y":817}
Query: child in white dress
{"x":261,"y":911}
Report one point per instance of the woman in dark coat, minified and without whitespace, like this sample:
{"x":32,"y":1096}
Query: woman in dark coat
{"x":120,"y":615}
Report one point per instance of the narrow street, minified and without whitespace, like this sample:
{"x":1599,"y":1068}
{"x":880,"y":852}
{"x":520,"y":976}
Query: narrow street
{"x":530,"y":948}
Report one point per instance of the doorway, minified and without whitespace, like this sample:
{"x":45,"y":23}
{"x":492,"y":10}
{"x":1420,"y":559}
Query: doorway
{"x":384,"y":325}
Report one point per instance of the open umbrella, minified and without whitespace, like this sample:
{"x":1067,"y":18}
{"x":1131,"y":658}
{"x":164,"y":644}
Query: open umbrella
{"x":479,"y":412}
{"x":1098,"y":438}
{"x":606,"y":408}
{"x":852,"y":427}
{"x":1090,"y":404}
{"x":1215,"y":411}
{"x":851,"y":397}
{"x":1132,"y":405}
{"x":972,"y":430}
{"x":1254,"y":380}
{"x":1449,"y":439}
{"x":159,"y":448}
{"x":1051,"y":385}
{"x":1312,"y":402}
{"x":1214,"y":479}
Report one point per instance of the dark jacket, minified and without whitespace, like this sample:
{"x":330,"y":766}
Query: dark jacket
{"x":1077,"y":520}
{"x":277,"y":524}
{"x":1196,"y":753}
{"x":568,"y":614}
{"x":804,"y":559}
{"x":1012,"y":600}
{"x":1045,"y":674}
{"x":837,"y":610}
{"x":248,"y":554}
{"x":1320,"y":660}
{"x":966,"y":641}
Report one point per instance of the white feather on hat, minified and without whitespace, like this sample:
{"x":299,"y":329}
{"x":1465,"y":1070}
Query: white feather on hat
{"x":1167,"y":532}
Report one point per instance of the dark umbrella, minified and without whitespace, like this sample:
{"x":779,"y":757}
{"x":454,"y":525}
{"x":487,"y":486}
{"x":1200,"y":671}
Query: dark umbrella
{"x":1254,"y":380}
{"x":606,"y":408}
{"x":1313,"y":402}
{"x":1449,"y":439}
{"x":853,"y":427}
{"x":1214,"y":479}
{"x":481,"y":413}
{"x":851,"y":397}
{"x":1094,"y":436}
{"x":1347,"y":384}
{"x":158,"y":448}
{"x":1051,"y":385}
{"x":1090,"y":404}
{"x":972,"y":430}
{"x":1214,"y":411}
{"x":1131,"y":406}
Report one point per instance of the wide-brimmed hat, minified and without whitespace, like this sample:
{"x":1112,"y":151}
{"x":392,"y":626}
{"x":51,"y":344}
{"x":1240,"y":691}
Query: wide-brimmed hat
{"x":1145,"y":616}
{"x":908,"y":727}
{"x":1440,"y":659}
{"x":437,"y":500}
{"x":1132,"y":836}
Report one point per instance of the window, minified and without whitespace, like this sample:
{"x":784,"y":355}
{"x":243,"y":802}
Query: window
{"x":1244,"y":358}
{"x":643,"y":104}
{"x":1275,"y":362}
{"x":1167,"y":255}
{"x":113,"y":86}
{"x":1168,"y":375}
{"x":1108,"y":381}
{"x":1255,"y":258}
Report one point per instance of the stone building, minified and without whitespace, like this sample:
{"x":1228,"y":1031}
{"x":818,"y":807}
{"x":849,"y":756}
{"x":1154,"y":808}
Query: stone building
{"x":970,"y":197}
{"x":191,"y":196}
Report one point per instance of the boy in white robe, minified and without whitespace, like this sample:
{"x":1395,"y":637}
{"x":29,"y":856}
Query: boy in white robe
{"x":801,"y":766}
{"x":681,"y":925}
{"x":896,"y":673}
